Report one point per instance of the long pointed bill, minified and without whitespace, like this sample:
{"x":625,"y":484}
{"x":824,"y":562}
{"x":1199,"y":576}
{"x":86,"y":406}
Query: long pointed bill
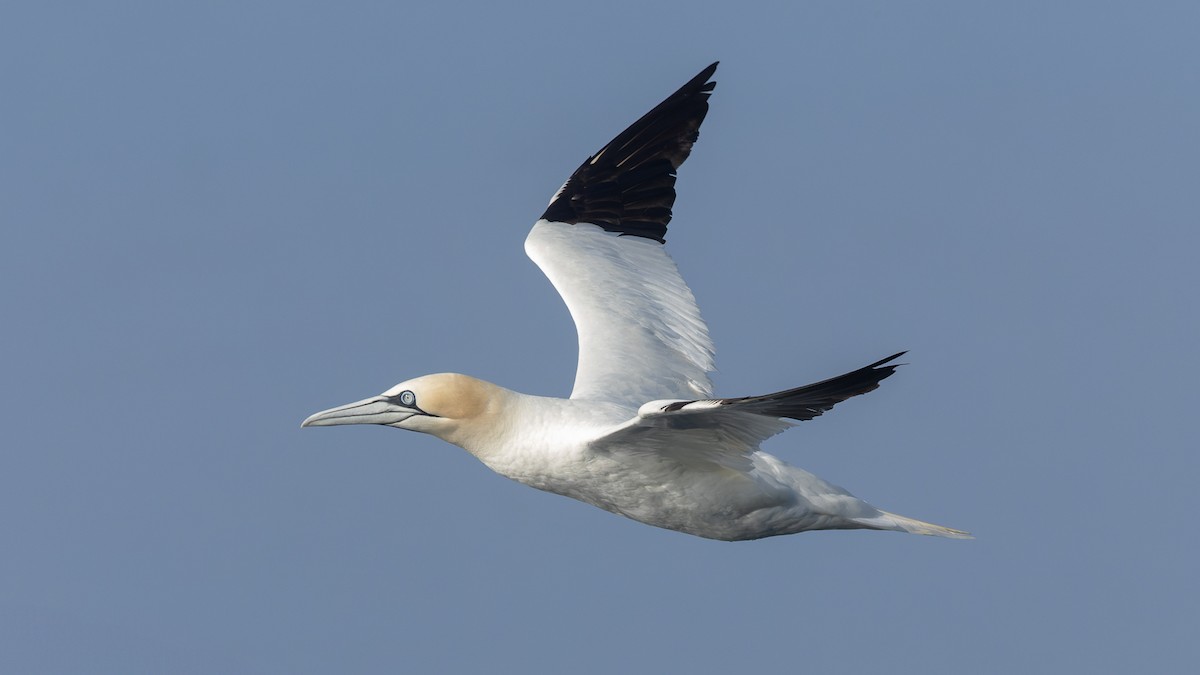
{"x":374,"y":410}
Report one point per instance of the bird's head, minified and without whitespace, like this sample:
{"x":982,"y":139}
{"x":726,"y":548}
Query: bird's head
{"x":443,"y":405}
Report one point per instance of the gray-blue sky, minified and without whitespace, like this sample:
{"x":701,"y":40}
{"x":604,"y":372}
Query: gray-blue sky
{"x":221,"y":218}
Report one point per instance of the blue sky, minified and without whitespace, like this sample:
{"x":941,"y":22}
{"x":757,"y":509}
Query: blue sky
{"x":222,"y":217}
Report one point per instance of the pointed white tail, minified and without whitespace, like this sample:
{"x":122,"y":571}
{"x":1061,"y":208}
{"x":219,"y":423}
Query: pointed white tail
{"x":891,"y":521}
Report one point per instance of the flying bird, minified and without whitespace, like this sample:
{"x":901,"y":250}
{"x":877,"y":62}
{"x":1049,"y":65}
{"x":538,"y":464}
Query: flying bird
{"x":642,"y":434}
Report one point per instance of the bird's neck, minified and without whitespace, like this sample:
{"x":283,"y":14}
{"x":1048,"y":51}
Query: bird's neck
{"x":496,"y":417}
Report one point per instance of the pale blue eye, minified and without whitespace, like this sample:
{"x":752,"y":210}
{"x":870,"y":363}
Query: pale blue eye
{"x":408,"y":398}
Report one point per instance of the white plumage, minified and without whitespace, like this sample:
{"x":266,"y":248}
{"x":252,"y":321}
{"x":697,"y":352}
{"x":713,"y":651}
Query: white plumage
{"x":641,"y":435}
{"x":640,"y":333}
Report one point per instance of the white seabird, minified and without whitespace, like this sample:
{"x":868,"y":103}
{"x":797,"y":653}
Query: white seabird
{"x":642,"y":434}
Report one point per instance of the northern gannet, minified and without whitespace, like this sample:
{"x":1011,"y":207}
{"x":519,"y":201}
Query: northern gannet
{"x":641,"y":435}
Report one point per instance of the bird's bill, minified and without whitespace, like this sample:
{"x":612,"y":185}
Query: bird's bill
{"x":374,"y":410}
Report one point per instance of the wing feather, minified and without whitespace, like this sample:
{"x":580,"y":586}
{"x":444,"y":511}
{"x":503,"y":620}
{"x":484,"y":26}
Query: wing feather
{"x":800,"y":403}
{"x":727,"y":431}
{"x":641,"y":336}
{"x":628,"y":186}
{"x":600,"y":243}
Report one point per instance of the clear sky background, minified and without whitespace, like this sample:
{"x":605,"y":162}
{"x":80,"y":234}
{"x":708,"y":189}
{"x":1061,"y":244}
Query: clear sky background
{"x":221,"y":217}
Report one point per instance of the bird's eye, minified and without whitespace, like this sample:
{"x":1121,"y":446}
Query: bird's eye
{"x":408,"y":398}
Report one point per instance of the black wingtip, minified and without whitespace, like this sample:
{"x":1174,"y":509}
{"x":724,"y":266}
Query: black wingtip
{"x":809,"y":401}
{"x":628,"y":186}
{"x":893,"y":357}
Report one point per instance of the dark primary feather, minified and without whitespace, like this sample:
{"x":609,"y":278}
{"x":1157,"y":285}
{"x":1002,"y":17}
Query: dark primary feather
{"x":629,"y":185}
{"x":809,"y":401}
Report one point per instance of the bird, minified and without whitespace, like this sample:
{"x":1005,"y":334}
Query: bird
{"x":642,"y":434}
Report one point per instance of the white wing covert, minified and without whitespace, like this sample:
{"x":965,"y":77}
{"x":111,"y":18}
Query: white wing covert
{"x":726,"y":438}
{"x":640,"y":334}
{"x":600,"y":243}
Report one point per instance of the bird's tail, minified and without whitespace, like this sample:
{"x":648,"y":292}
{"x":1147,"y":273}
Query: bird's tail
{"x":891,"y":521}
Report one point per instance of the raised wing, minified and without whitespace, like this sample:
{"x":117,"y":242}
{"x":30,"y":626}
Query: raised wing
{"x":600,"y":243}
{"x":640,"y":334}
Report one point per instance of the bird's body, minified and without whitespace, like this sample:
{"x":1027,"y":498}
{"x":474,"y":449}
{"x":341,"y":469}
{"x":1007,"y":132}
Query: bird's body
{"x":641,"y":436}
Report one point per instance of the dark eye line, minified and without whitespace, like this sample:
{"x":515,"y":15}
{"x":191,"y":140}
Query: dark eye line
{"x":411,"y":404}
{"x":405,"y":398}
